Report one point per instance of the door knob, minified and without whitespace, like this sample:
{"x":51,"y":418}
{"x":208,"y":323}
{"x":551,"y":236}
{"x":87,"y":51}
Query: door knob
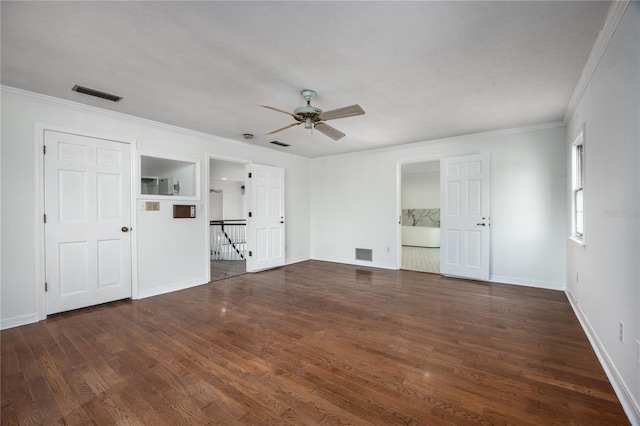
{"x":481,"y":224}
{"x":125,"y":229}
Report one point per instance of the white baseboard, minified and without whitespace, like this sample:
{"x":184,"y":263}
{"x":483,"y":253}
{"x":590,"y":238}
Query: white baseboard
{"x":629,"y":404}
{"x":528,"y":283}
{"x":293,"y":260}
{"x":18,"y":321}
{"x":170,"y":288}
{"x":355,"y":262}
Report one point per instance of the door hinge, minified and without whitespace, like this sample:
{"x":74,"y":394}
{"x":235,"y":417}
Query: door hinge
{"x":45,"y":217}
{"x":46,"y":286}
{"x":249,"y":175}
{"x":250,"y":253}
{"x":44,"y":149}
{"x":250,"y":214}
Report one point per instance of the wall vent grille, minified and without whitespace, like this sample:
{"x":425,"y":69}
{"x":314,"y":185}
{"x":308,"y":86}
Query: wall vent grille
{"x":364,"y":254}
{"x":96,"y":93}
{"x":279,"y":143}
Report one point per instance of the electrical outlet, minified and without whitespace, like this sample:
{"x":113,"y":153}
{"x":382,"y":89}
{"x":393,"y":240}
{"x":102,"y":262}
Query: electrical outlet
{"x":638,"y":351}
{"x":577,"y":277}
{"x":621,"y":332}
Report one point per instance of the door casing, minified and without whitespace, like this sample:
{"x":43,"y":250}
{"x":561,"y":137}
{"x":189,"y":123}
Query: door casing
{"x":399,"y":165}
{"x":40,"y":267}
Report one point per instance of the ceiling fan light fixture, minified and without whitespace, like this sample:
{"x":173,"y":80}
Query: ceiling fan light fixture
{"x":313,"y":117}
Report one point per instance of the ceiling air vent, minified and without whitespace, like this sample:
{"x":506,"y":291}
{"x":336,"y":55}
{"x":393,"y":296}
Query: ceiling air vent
{"x":96,"y":93}
{"x":279,"y":143}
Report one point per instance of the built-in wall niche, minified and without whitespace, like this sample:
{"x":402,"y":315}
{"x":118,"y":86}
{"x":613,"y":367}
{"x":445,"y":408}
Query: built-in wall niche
{"x":169,"y":177}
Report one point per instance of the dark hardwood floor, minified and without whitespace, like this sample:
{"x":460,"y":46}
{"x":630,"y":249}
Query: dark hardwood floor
{"x":312,"y":343}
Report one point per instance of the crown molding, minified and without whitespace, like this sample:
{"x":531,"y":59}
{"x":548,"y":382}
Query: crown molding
{"x":448,"y":140}
{"x":51,"y":100}
{"x":614,"y":15}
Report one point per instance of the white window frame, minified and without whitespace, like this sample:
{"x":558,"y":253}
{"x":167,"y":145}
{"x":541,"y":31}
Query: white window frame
{"x":578,"y":187}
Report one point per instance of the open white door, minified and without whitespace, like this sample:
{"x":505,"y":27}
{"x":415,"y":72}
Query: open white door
{"x":88,"y":218}
{"x":464,"y":217}
{"x":265,"y":221}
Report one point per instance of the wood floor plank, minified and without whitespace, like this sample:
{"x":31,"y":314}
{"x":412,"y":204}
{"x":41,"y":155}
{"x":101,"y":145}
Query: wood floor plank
{"x":45,"y":401}
{"x":312,"y":343}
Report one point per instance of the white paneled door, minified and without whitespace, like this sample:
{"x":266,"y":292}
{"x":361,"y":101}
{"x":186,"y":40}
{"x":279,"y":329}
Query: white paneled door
{"x":88,"y":219}
{"x":464,"y":217}
{"x":265,"y":222}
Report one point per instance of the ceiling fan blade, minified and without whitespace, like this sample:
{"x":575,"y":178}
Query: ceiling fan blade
{"x":279,"y":110}
{"x":283,"y":128}
{"x":334,"y":134}
{"x":349,"y":111}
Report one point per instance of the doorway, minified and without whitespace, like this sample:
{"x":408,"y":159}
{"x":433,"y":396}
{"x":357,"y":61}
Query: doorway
{"x":420,"y":216}
{"x":227,"y":223}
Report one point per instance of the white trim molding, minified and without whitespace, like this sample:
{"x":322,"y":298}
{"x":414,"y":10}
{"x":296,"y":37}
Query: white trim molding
{"x":131,"y":118}
{"x":614,"y":15}
{"x":298,"y":259}
{"x":18,"y":321}
{"x":451,"y":139}
{"x":143,"y":294}
{"x":629,"y":404}
{"x":549,"y":285}
{"x":345,"y":261}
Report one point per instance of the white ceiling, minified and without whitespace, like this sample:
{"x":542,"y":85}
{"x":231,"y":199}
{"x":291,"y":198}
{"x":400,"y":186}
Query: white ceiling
{"x":420,"y":70}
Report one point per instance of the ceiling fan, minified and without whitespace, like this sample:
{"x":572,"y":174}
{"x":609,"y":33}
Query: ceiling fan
{"x":313,"y":117}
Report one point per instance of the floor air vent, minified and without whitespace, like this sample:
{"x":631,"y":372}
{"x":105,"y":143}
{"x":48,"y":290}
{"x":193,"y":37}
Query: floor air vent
{"x":364,"y":254}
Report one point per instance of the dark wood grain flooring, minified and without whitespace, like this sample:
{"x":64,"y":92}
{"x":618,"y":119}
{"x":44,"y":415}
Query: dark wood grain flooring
{"x":312,"y":343}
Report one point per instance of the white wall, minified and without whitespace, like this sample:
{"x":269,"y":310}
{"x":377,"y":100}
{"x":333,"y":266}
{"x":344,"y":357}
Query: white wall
{"x":421,"y":190}
{"x":233,"y":201}
{"x":607,"y":289}
{"x":171,"y":254}
{"x":216,"y":203}
{"x":354,"y":203}
{"x":229,"y":177}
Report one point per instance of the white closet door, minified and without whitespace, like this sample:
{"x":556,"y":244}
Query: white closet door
{"x":88,"y":218}
{"x":265,"y":224}
{"x":464,"y":217}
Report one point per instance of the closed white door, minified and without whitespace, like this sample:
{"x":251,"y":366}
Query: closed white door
{"x":88,"y":219}
{"x":464,"y":217}
{"x":265,"y":222}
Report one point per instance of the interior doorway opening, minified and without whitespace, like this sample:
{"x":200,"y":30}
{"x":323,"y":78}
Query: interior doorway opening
{"x":420,"y":216}
{"x":227,"y":219}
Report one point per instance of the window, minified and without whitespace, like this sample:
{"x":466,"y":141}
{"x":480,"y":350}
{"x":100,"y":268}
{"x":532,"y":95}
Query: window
{"x":578,"y":186}
{"x":162,"y":177}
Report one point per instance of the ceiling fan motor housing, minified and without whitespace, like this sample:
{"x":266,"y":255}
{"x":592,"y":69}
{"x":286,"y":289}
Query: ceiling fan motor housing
{"x":309,"y":114}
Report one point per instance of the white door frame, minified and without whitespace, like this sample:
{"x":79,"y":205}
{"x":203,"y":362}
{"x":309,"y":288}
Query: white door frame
{"x":207,"y":172}
{"x":467,"y":221}
{"x":264,"y":218}
{"x":399,"y":165}
{"x":39,"y":130}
